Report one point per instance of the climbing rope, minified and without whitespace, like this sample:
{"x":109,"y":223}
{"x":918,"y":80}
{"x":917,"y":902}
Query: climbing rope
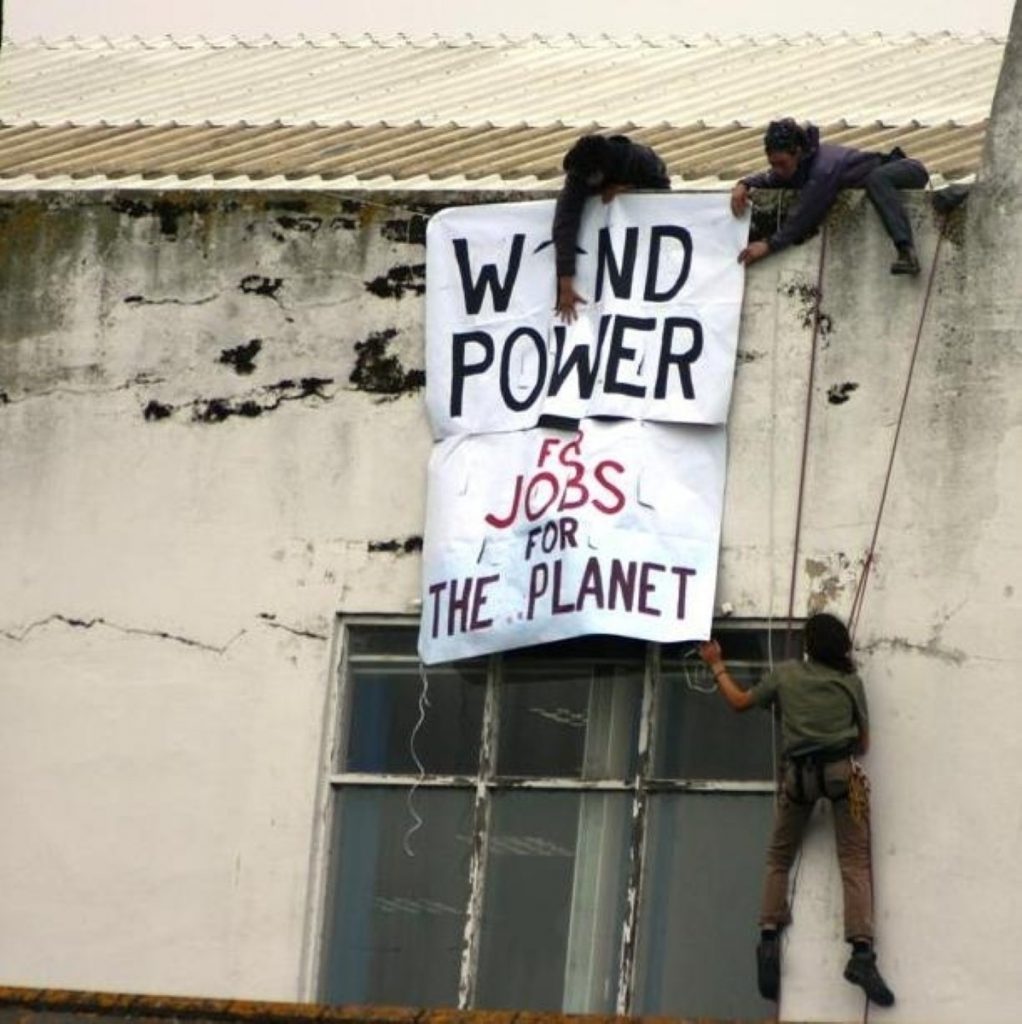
{"x":860,"y":590}
{"x":817,"y":296}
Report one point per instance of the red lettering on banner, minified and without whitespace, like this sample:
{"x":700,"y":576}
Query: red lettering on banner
{"x":537,"y":495}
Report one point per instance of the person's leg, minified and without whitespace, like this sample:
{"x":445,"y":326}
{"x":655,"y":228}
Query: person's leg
{"x":882,"y":186}
{"x":794,"y":806}
{"x":852,"y":834}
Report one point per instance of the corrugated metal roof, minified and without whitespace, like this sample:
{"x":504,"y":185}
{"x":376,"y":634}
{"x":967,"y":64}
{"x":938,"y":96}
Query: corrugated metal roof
{"x":502,"y":111}
{"x":534,"y":82}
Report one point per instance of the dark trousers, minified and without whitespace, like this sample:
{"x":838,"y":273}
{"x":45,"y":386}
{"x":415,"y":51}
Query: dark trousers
{"x":804,"y":784}
{"x":882,"y":186}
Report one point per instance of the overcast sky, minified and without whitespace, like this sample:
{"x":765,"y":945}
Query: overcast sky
{"x":56,"y":19}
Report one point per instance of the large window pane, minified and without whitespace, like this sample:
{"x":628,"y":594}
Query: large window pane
{"x":698,"y":736}
{"x":396,"y":921}
{"x":556,"y":880}
{"x":698,"y":931}
{"x":385,"y":708}
{"x":571,"y":717}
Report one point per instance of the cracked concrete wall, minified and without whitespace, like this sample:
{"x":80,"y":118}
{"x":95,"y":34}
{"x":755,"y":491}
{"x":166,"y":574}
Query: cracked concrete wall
{"x":214,"y":441}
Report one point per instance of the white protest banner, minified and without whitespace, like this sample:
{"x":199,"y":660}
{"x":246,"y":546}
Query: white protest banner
{"x":655,"y":340}
{"x":540,"y":535}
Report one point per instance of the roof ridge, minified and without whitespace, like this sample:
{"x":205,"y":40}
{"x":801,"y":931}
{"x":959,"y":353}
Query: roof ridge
{"x":497,"y":40}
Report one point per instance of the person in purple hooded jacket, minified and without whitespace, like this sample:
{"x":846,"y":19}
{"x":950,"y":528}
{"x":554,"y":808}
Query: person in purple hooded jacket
{"x":820,"y":170}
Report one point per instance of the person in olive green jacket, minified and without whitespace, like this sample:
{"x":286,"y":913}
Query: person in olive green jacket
{"x":824,"y":722}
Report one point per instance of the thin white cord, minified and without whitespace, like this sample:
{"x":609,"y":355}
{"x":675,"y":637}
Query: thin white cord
{"x":691,"y":682}
{"x":417,"y":820}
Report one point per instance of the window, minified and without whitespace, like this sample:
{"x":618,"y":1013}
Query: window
{"x":574,"y":827}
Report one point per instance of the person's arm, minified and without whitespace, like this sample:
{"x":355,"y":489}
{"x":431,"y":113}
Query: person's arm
{"x":742,"y":188}
{"x":737,"y":698}
{"x":567,"y":216}
{"x":815,"y":198}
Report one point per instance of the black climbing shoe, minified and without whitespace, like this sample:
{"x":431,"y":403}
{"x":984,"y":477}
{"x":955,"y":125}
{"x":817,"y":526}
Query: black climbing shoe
{"x":861,"y":970}
{"x":768,"y":965}
{"x":906,"y":263}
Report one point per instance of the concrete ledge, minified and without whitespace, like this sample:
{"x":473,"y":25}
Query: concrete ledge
{"x":56,"y":1006}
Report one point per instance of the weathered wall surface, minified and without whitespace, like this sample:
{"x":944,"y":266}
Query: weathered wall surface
{"x":213,"y":442}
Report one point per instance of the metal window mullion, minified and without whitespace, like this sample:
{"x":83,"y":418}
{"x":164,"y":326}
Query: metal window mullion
{"x":629,"y":935}
{"x":480,"y":838}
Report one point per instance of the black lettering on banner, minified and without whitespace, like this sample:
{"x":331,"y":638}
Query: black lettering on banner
{"x":580,"y":361}
{"x":683,"y":360}
{"x":462,"y":368}
{"x":475,"y":290}
{"x":620,"y":352}
{"x":513,"y":403}
{"x":620,"y":276}
{"x":679,"y":234}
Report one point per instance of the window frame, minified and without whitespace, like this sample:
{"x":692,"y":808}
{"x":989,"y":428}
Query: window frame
{"x":486,"y":782}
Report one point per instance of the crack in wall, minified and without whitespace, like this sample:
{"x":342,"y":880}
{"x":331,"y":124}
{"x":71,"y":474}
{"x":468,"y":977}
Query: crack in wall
{"x":142,"y":380}
{"x":141,"y":300}
{"x":271,"y":620}
{"x":250,"y":406}
{"x":931,"y":649}
{"x":157,"y":634}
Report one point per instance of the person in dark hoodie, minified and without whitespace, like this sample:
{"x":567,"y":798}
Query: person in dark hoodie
{"x":596,"y":165}
{"x":820,"y":170}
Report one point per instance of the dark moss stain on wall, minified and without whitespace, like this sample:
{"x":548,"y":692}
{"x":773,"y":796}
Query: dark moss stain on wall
{"x":411,"y":231}
{"x":808,"y":296}
{"x":379,"y":371}
{"x":242,"y":357}
{"x":167,"y":210}
{"x":838,"y":394}
{"x":256,"y":284}
{"x":397,"y":547}
{"x":399,"y":280}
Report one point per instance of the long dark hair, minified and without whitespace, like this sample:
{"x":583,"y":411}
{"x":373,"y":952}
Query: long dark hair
{"x":827,"y":641}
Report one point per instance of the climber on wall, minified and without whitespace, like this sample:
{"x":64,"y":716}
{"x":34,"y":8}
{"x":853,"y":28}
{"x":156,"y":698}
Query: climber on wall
{"x":824,"y":722}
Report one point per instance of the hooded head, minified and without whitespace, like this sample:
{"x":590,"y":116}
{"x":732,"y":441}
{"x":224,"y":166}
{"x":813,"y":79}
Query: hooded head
{"x":587,"y":159}
{"x":786,"y":143}
{"x":827,"y":641}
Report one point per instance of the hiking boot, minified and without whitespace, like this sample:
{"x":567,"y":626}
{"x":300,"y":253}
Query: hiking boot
{"x":861,"y":970}
{"x":768,"y":965}
{"x":906,"y":263}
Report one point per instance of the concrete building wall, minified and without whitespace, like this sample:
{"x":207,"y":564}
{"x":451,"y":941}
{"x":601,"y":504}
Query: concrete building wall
{"x":186,"y":512}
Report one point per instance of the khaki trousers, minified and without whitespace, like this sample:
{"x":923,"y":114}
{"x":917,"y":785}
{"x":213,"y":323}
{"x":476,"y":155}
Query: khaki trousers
{"x":804,"y":783}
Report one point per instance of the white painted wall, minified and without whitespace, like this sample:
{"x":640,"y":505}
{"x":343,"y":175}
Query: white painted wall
{"x":161,"y":764}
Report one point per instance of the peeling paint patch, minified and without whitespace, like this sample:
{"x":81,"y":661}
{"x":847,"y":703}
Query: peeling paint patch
{"x":398,"y":280}
{"x":251,"y":406}
{"x":411,"y":231}
{"x":808,"y":295}
{"x":397,"y":547}
{"x":829,"y":579}
{"x":242,"y":357}
{"x":380,"y":372}
{"x":344,"y":224}
{"x":838,"y":394}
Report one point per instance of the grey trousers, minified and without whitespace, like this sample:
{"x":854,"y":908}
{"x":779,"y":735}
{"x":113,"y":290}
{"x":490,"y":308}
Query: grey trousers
{"x":802,"y":786}
{"x":882,"y":186}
